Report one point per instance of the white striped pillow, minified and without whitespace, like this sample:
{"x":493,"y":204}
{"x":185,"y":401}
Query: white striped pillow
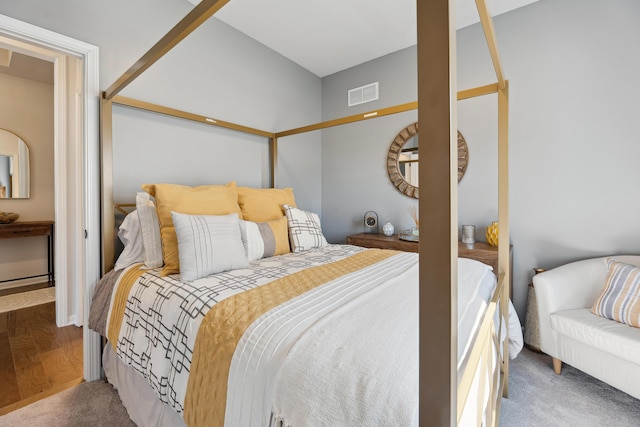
{"x":620,"y":298}
{"x":208,"y":244}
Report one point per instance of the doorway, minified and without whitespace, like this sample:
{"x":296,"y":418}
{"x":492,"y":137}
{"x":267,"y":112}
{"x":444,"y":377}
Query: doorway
{"x":77,"y":171}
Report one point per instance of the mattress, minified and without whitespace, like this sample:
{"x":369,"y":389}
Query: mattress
{"x":317,"y":319}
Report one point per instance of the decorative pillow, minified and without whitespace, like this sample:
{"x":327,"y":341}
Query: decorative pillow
{"x":304,"y":229}
{"x":264,"y":204}
{"x":150,"y":228}
{"x":202,"y":200}
{"x":620,"y":298}
{"x":265,"y":239}
{"x":208,"y":244}
{"x":129,"y":234}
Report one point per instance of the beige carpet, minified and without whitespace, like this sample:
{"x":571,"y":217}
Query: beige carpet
{"x":90,"y":404}
{"x":537,"y":398}
{"x":540,"y":398}
{"x":27,"y":299}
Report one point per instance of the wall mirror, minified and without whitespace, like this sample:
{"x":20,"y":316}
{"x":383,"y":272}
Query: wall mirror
{"x":402,"y":160}
{"x":14,"y":166}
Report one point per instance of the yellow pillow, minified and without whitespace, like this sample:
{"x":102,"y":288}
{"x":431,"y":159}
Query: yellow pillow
{"x":202,"y":200}
{"x":264,"y":204}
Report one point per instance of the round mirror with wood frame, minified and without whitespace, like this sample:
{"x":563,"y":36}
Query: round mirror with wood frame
{"x":402,"y":160}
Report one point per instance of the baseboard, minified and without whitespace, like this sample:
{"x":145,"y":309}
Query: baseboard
{"x":72,"y":320}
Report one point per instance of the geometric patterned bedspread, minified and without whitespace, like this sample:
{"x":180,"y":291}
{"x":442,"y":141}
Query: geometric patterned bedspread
{"x":157,"y":329}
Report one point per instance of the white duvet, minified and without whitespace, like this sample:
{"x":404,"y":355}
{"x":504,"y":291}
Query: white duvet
{"x":345,"y":353}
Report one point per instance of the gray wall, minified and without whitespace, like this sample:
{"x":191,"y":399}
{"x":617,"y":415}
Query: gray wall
{"x":218,"y":72}
{"x":354,"y":175}
{"x":573,"y":68}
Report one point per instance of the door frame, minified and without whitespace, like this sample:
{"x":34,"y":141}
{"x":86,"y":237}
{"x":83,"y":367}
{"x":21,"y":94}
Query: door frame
{"x":77,"y":188}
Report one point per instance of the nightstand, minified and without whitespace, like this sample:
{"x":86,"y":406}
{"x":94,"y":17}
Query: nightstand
{"x":479,"y":251}
{"x":380,"y":241}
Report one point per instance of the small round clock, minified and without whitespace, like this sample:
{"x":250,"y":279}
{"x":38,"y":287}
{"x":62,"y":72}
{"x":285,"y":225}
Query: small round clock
{"x":371,"y":222}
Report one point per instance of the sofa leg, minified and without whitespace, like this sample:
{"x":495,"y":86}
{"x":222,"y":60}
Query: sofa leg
{"x":557,"y":365}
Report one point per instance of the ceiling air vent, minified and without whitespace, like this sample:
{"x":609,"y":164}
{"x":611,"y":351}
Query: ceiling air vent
{"x":363,"y":94}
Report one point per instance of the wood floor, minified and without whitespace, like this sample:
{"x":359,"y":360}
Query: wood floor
{"x":36,"y":357}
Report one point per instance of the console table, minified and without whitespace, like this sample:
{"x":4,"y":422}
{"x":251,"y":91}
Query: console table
{"x":31,"y":229}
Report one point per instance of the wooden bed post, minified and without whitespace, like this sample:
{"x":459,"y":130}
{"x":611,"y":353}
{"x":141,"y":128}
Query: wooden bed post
{"x":273,"y":160}
{"x":503,"y":176}
{"x":438,"y":217}
{"x":108,"y":219}
{"x":503,"y":216}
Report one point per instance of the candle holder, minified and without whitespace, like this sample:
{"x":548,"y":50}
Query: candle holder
{"x":469,"y":234}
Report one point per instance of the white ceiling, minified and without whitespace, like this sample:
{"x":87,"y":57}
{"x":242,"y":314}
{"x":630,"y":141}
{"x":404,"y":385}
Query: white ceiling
{"x":327,"y":36}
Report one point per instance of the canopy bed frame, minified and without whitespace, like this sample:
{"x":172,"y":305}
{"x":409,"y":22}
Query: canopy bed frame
{"x":442,"y":401}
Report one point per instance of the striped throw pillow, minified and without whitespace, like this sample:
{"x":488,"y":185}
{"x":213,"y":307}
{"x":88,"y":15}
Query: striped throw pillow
{"x":208,"y":244}
{"x":620,"y":298}
{"x":265,"y":239}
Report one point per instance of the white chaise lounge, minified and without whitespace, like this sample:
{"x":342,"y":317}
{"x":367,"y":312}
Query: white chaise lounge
{"x":571,"y":333}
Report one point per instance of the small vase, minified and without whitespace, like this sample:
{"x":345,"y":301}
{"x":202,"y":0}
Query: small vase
{"x":387,"y":229}
{"x":492,"y":234}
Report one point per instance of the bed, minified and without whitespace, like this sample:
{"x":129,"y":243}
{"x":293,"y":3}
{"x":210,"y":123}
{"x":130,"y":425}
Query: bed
{"x":279,"y":340}
{"x":467,"y":394}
